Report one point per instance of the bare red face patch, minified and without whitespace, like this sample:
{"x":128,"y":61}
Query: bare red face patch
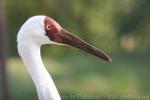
{"x":52,"y":28}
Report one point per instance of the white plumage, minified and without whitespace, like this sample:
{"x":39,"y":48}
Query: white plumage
{"x":30,"y":39}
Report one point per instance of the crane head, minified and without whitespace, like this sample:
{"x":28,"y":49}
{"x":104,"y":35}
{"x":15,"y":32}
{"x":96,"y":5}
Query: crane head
{"x":45,"y":30}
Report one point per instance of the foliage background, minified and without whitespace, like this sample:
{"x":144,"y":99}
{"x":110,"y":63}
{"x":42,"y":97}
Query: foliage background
{"x":119,"y":27}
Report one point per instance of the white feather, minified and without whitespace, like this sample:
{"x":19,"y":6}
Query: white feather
{"x":30,"y":39}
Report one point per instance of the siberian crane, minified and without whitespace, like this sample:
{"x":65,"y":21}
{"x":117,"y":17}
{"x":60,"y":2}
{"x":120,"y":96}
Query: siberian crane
{"x":35,"y":32}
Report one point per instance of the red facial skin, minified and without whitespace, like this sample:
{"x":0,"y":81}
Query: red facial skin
{"x":52,"y":29}
{"x":57,"y":34}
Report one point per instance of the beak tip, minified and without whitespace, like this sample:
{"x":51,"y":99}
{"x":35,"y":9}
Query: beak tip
{"x":107,"y":58}
{"x":110,"y":60}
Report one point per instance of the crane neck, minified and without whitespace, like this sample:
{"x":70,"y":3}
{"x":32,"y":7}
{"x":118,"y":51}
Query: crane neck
{"x":31,"y":56}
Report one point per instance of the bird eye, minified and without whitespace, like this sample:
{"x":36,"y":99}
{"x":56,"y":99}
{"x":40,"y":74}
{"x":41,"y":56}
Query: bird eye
{"x":48,"y":26}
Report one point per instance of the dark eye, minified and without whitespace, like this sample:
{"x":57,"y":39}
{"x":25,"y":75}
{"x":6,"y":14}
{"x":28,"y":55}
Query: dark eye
{"x":48,"y":27}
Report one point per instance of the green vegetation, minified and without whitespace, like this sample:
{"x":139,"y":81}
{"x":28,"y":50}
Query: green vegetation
{"x":119,"y":27}
{"x":111,"y":24}
{"x":86,"y":75}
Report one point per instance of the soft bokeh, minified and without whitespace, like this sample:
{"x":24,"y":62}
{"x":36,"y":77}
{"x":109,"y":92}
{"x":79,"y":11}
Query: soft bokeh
{"x":119,"y":27}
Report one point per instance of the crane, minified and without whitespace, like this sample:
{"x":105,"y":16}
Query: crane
{"x":35,"y":32}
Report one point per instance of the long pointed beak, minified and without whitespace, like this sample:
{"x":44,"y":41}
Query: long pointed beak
{"x":68,"y":38}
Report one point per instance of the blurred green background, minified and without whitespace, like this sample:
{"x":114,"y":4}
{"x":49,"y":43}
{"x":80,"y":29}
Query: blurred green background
{"x":119,"y":27}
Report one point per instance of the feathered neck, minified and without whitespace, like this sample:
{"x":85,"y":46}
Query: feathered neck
{"x":31,"y":56}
